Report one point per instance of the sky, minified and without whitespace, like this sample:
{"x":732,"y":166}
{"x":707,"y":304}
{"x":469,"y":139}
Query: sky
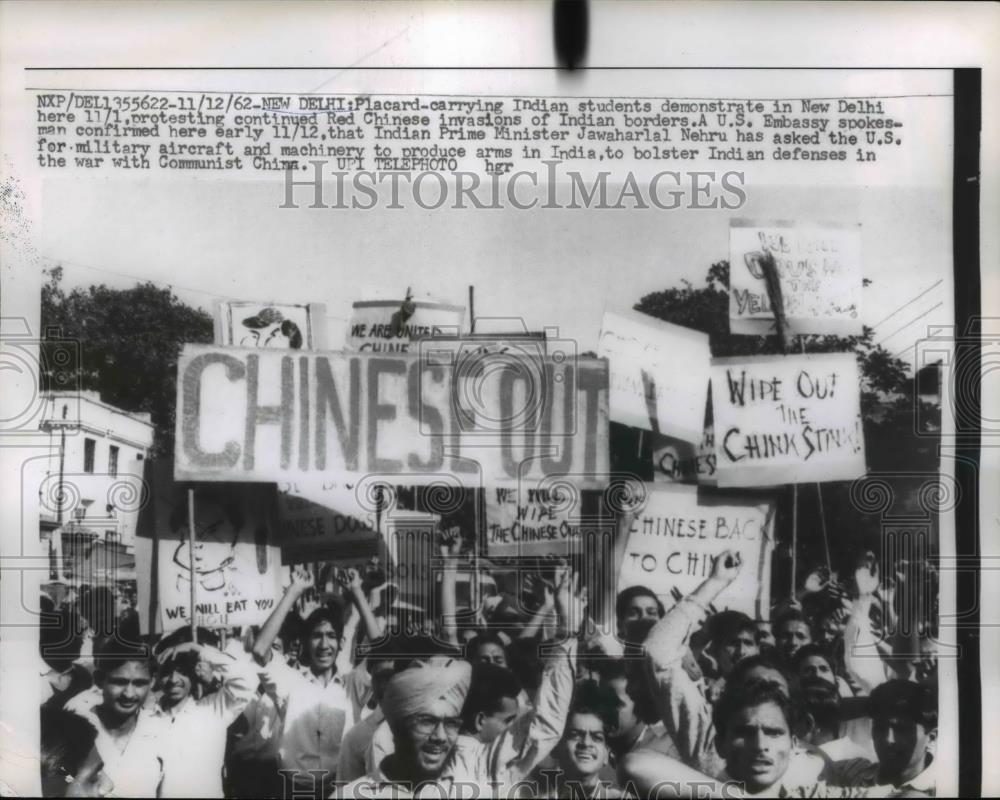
{"x":558,"y":267}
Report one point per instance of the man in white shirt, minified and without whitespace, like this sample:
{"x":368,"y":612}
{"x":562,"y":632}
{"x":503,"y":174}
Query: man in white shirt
{"x":194,"y":730}
{"x":128,"y":735}
{"x":316,"y":710}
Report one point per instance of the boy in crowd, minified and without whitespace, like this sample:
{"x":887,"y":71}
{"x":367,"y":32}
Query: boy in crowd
{"x":129,"y":739}
{"x":791,"y":632}
{"x":583,"y":754}
{"x":491,"y":705}
{"x":194,"y":730}
{"x":315,"y":708}
{"x":904,"y":729}
{"x":71,"y":765}
{"x":635,"y":603}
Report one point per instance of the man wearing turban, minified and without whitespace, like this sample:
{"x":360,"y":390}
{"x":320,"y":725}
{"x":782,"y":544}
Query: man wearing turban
{"x":422,"y":707}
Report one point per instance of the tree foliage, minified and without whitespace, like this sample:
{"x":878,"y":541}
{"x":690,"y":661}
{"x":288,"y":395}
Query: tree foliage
{"x":129,"y":342}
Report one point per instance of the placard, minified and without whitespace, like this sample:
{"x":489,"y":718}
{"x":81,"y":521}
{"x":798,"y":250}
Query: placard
{"x":677,"y":461}
{"x":675,"y":537}
{"x":819,"y":267}
{"x":787,"y":419}
{"x":411,"y":539}
{"x":237,"y":568}
{"x":277,"y":326}
{"x":258,"y":415}
{"x":532,"y":520}
{"x":392,"y":325}
{"x":658,"y":374}
{"x":325,"y":520}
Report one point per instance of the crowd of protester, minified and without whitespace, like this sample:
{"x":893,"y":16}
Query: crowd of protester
{"x":350,"y":693}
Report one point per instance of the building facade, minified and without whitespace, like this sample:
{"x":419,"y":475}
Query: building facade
{"x":90,"y":497}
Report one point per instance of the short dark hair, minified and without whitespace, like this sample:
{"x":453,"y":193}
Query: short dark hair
{"x":66,"y":740}
{"x":317,"y":618}
{"x":821,"y":701}
{"x":899,"y":698}
{"x":726,"y":624}
{"x":486,"y":637}
{"x":185,"y":663}
{"x":60,"y":638}
{"x":115,"y":652}
{"x":633,"y":671}
{"x":738,"y":677}
{"x":490,"y":684}
{"x":526,"y":663}
{"x":626,"y":596}
{"x":592,"y":698}
{"x":814,"y":649}
{"x":792,"y":615}
{"x":737,"y":698}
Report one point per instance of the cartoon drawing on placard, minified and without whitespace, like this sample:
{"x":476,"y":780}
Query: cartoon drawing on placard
{"x":217,"y":562}
{"x":270,"y":328}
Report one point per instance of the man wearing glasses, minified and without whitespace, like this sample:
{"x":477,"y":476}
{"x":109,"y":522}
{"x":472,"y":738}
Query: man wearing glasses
{"x":423,"y":706}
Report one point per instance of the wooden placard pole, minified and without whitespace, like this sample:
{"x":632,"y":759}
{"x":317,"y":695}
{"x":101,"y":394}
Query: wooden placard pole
{"x":191,"y":543}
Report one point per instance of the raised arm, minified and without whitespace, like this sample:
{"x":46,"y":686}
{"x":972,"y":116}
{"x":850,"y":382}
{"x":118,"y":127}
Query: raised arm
{"x":515,"y":753}
{"x":239,"y":683}
{"x":682,"y":704}
{"x":451,"y":545}
{"x":302,"y":580}
{"x":544,"y":613}
{"x":862,"y":658}
{"x":361,"y":613}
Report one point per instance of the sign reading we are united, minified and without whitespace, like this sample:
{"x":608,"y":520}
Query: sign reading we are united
{"x":255,"y":415}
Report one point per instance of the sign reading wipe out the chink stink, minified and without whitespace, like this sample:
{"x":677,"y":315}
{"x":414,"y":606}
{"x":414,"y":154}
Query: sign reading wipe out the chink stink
{"x":818,"y":267}
{"x":256,"y":415}
{"x":787,"y":419}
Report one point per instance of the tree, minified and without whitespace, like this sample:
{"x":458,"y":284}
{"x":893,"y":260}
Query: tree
{"x":888,"y":409}
{"x":129,"y":342}
{"x":887,"y":392}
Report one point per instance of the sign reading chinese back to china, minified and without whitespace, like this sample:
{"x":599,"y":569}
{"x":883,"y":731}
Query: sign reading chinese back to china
{"x":677,"y":535}
{"x":819,"y":268}
{"x":260,"y":415}
{"x":787,"y":419}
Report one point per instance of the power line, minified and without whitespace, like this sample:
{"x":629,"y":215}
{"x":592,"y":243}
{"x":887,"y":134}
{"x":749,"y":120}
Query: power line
{"x":62,"y":261}
{"x":143,"y":279}
{"x":905,"y":305}
{"x":908,"y":324}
